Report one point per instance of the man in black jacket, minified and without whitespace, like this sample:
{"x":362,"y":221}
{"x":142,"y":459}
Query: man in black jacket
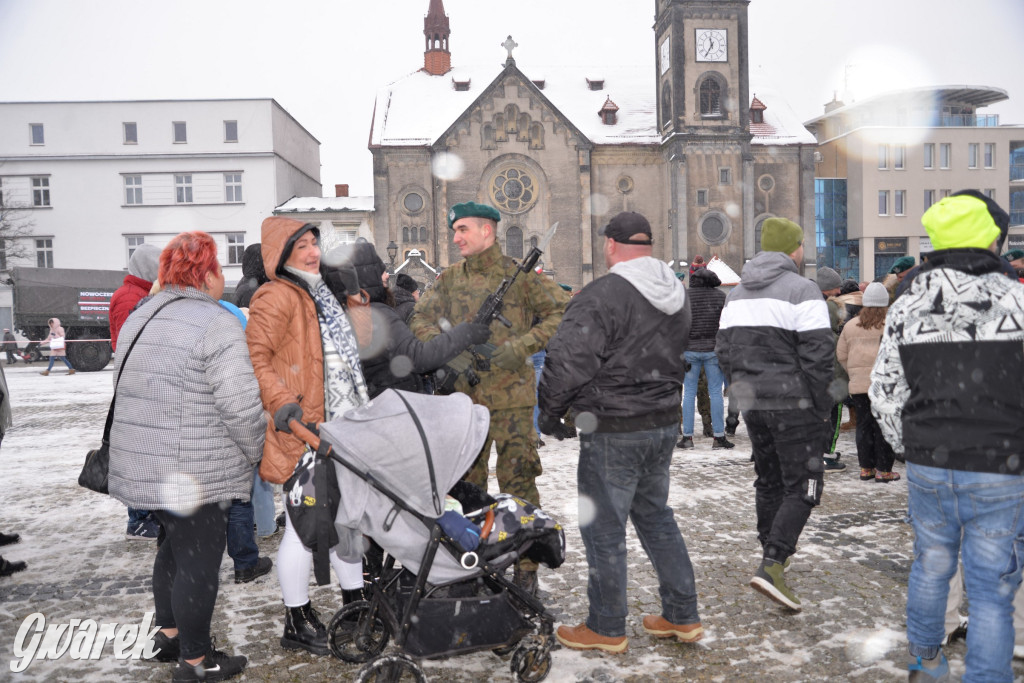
{"x":775,"y":346}
{"x":617,"y":360}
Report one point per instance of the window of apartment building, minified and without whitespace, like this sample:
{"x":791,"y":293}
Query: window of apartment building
{"x":231,"y":131}
{"x":41,"y":191}
{"x":702,"y":197}
{"x":131,"y":132}
{"x":725,"y":176}
{"x":35,"y":131}
{"x":133,"y":189}
{"x":899,"y":157}
{"x":929,"y":198}
{"x":183,"y":189}
{"x":44,"y":253}
{"x":232,"y":187}
{"x":972,"y":155}
{"x":236,"y":247}
{"x":883,"y":202}
{"x":3,"y":255}
{"x":883,"y":157}
{"x":990,"y":193}
{"x":899,"y":202}
{"x":180,"y":132}
{"x":945,"y":154}
{"x":346,"y":235}
{"x":133,"y":242}
{"x":929,"y":155}
{"x":990,"y":155}
{"x":944,"y":193}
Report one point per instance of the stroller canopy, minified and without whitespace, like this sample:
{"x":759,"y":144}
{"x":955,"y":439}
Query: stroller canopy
{"x":382,"y":439}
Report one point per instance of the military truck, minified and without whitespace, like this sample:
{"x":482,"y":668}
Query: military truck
{"x":79,"y":297}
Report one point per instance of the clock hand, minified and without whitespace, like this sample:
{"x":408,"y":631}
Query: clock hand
{"x":711,"y":45}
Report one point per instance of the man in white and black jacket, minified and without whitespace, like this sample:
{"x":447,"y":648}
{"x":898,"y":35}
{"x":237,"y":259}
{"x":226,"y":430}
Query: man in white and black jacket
{"x":946,"y":391}
{"x":617,"y":360}
{"x":776,"y":349}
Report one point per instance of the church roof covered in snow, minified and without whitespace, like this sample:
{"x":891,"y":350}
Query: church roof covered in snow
{"x":419,"y":108}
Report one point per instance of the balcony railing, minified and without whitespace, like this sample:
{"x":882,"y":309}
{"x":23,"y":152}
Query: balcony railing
{"x":968,"y":120}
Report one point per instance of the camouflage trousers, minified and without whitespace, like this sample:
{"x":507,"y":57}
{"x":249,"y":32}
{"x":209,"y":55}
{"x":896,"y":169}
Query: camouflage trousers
{"x":518,"y":463}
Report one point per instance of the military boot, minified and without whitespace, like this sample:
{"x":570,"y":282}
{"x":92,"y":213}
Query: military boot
{"x":303,"y":630}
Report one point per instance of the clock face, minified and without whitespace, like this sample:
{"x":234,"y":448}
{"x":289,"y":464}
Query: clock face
{"x":666,"y":54}
{"x":711,"y":45}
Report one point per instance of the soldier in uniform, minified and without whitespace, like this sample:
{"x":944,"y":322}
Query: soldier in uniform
{"x":534,"y":305}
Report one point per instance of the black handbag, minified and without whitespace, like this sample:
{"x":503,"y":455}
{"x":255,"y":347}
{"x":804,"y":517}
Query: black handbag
{"x":97,"y":461}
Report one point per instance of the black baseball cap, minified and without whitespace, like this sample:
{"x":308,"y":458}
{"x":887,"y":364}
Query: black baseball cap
{"x":625,"y":225}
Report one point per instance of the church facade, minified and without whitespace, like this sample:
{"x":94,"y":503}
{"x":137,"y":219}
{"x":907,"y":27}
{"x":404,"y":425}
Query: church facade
{"x":691,"y":146}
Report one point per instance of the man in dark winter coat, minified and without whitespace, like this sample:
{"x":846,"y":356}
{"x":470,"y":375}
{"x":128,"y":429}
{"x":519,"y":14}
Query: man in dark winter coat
{"x":407,"y":293}
{"x":616,"y":359}
{"x":946,"y":391}
{"x":143,"y":268}
{"x":706,"y":303}
{"x":253,"y":275}
{"x":775,"y":346}
{"x":10,"y":346}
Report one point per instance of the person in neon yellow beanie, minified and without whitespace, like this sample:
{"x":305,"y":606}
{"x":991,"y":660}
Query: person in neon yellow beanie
{"x":953,"y":347}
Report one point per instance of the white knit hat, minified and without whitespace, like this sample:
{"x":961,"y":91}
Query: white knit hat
{"x":876,"y":296}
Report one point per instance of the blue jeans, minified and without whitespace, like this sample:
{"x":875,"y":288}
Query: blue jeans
{"x":979,"y":516}
{"x":241,"y":536}
{"x":620,"y":475}
{"x":538,"y":367}
{"x":263,"y":506}
{"x":63,"y":358}
{"x":709,"y":361}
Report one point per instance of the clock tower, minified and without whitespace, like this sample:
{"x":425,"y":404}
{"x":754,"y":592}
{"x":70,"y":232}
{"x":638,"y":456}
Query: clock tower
{"x":704,"y":120}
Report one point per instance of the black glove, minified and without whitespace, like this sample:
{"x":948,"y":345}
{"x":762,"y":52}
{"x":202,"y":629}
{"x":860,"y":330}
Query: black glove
{"x":470,"y":334}
{"x":553,"y":426}
{"x":285,"y":414}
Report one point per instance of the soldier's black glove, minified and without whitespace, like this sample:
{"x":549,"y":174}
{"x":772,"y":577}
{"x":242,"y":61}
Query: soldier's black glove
{"x":553,"y":426}
{"x":285,"y":414}
{"x":470,"y":334}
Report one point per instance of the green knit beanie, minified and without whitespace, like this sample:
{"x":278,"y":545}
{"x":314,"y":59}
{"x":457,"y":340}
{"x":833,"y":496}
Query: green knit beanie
{"x":781,"y":234}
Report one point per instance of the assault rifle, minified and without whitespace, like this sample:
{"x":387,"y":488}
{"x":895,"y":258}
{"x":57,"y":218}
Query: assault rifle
{"x":478,"y":358}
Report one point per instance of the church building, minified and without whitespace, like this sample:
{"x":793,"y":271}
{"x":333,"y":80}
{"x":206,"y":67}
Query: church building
{"x":693,"y":146}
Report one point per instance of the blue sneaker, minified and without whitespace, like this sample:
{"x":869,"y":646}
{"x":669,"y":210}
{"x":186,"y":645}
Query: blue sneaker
{"x":146,"y":530}
{"x":929,"y":670}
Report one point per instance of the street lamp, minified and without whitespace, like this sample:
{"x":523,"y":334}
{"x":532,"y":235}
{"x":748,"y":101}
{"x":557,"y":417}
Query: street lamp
{"x":392,"y":250}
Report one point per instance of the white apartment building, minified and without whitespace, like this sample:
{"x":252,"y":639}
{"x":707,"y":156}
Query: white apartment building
{"x":883,"y":161}
{"x":93,"y":180}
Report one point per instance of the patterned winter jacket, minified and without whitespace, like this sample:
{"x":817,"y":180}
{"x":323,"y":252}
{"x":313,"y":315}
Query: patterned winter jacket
{"x":188,"y":425}
{"x":534,"y":305}
{"x":775,"y":344}
{"x":946,"y":387}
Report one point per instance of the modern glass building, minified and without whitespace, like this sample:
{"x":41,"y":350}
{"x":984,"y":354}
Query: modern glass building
{"x":833,"y":248}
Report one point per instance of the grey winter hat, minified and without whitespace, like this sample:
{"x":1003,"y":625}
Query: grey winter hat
{"x":145,"y":262}
{"x":875,"y":296}
{"x":828,"y":279}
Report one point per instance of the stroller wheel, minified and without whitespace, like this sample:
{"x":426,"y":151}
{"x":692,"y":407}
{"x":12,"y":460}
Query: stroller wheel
{"x":391,"y":669}
{"x":355,"y":635}
{"x":531,"y":664}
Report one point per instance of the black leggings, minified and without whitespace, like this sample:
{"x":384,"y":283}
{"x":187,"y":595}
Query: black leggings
{"x":186,"y":574}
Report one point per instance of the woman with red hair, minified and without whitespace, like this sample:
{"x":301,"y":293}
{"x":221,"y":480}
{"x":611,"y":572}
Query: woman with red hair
{"x":188,"y":428}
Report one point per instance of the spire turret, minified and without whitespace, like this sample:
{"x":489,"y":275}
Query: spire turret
{"x":437,"y":59}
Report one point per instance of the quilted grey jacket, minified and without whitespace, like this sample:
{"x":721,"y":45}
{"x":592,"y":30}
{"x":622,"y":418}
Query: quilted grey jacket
{"x":188,"y":422}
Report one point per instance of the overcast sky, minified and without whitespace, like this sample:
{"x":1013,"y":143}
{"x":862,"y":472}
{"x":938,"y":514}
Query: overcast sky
{"x":324,"y":60}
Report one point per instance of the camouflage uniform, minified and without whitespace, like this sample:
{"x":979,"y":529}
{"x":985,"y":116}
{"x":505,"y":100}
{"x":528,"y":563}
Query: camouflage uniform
{"x":510,"y":396}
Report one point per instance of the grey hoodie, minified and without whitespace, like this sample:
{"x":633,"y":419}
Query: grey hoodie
{"x":656,"y":281}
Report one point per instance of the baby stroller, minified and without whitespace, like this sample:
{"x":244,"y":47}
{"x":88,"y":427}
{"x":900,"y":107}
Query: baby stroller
{"x":395,"y":458}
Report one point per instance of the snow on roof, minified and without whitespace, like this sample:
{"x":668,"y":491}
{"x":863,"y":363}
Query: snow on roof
{"x":325,"y":204}
{"x":419,"y":108}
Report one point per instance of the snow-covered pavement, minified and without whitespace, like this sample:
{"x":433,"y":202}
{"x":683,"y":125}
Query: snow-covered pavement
{"x":850,"y":570}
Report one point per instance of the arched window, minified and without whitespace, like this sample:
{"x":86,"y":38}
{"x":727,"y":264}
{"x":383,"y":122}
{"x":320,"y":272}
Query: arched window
{"x":666,"y":104}
{"x":514,"y":242}
{"x":423,"y":234}
{"x":405,"y":234}
{"x":710,"y":98}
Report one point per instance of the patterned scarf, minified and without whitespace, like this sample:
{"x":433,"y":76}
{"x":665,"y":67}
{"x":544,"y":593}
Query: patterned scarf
{"x":344,"y":386}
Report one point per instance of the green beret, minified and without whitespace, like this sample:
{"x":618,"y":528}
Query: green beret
{"x":902,"y":263}
{"x":566,"y":287}
{"x":1014,"y":254}
{"x":781,"y":234}
{"x":467,"y":209}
